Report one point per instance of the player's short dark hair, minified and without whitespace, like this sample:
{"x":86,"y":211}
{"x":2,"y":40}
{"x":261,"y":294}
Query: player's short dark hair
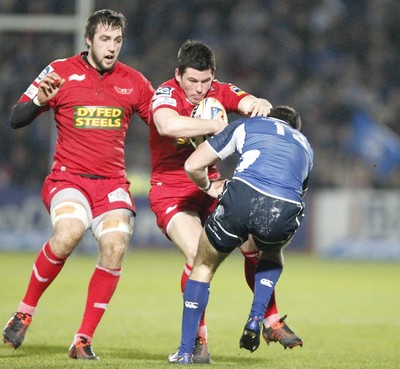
{"x":288,"y":115}
{"x":197,"y":55}
{"x":107,"y":17}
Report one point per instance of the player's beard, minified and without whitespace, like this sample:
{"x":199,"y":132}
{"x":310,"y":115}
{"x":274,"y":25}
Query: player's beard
{"x":100,"y":65}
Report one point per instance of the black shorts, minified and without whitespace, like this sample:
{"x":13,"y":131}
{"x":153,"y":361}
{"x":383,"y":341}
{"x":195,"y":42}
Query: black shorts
{"x":243,"y":211}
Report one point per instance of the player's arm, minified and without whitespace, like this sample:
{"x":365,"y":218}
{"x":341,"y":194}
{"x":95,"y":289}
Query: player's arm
{"x":254,"y":106}
{"x":170,"y":123}
{"x":196,"y":168}
{"x":23,"y":113}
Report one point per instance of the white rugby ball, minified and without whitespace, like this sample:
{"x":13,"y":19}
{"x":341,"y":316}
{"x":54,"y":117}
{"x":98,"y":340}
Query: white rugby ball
{"x":207,"y":108}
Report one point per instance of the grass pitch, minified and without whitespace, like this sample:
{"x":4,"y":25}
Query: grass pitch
{"x":348,"y":314}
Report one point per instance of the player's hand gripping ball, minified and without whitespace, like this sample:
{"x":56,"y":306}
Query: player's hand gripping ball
{"x":207,"y":108}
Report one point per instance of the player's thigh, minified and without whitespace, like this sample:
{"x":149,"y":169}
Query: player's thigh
{"x":184,"y":230}
{"x":207,"y":260}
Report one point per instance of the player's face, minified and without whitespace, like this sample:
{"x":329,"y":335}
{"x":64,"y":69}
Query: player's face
{"x":194,"y":83}
{"x":105,"y":47}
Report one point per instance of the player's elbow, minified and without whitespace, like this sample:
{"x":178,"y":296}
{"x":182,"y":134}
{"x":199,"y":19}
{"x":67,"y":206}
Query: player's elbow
{"x":164,"y":122}
{"x":191,"y":168}
{"x":16,"y":123}
{"x":164,"y":130}
{"x":21,"y":116}
{"x":188,"y":167}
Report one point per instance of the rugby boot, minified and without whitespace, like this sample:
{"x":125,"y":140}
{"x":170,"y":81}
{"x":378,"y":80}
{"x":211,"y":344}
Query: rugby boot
{"x":201,"y":354}
{"x":15,"y":329}
{"x":280,"y":332}
{"x":250,"y":339}
{"x":185,"y":359}
{"x":82,"y":350}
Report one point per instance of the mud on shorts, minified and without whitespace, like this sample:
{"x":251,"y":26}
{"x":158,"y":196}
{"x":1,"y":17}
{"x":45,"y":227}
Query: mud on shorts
{"x":243,"y":211}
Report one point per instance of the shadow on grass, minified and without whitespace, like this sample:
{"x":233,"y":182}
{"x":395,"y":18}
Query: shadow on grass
{"x":111,"y":353}
{"x":131,"y":354}
{"x":29,"y":350}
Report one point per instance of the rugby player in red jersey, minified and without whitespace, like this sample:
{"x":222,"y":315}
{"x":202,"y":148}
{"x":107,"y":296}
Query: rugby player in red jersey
{"x":179,"y":205}
{"x":93,"y":97}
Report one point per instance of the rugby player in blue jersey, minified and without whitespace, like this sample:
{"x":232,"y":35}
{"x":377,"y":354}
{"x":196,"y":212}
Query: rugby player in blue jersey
{"x":263,"y":199}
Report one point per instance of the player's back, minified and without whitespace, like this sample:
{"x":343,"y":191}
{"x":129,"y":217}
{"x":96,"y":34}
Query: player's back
{"x":275,"y":159}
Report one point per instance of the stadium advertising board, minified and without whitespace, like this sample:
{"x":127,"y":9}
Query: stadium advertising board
{"x":357,"y":224}
{"x":25,"y":224}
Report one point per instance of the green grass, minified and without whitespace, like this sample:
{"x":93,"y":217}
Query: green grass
{"x":348,"y":314}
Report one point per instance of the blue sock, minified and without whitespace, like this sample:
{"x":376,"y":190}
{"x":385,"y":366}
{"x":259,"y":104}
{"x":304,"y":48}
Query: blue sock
{"x":195,"y":300}
{"x":265,"y":279}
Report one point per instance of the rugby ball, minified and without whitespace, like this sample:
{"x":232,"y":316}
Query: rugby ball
{"x":207,"y":108}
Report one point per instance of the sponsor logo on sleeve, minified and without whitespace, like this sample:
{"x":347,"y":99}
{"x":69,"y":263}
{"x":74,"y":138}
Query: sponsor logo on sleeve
{"x":45,"y":71}
{"x":236,"y":90}
{"x":164,"y":91}
{"x":98,"y":117}
{"x":32,"y":91}
{"x":163,"y":101}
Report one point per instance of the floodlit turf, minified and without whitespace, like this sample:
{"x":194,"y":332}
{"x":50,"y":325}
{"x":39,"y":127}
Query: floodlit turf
{"x":348,"y":314}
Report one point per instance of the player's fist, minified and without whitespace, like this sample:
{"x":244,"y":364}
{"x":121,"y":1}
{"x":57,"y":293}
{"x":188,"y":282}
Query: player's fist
{"x":49,"y":87}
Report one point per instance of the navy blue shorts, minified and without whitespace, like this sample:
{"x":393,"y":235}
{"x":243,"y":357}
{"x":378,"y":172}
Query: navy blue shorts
{"x":243,"y":211}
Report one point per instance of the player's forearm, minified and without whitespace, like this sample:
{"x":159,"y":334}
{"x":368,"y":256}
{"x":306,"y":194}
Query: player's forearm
{"x":197,"y":173}
{"x":180,"y":126}
{"x":22,"y":114}
{"x":200,"y":178}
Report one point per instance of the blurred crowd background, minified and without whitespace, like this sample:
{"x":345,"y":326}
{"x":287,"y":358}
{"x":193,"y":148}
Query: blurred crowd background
{"x":336,"y":61}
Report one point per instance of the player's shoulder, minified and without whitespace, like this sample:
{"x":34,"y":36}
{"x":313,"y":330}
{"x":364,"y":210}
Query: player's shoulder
{"x":63,"y":62}
{"x":170,"y":85}
{"x":230,"y":88}
{"x":125,"y":71}
{"x":59,"y":66}
{"x":169,"y":89}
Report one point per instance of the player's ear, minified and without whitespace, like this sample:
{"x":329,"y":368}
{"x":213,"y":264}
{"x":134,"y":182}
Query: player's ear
{"x":178,"y":75}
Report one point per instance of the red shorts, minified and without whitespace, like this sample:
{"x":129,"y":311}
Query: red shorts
{"x":103,"y":194}
{"x":167,"y":200}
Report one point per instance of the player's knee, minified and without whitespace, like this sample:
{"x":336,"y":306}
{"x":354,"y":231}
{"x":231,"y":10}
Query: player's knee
{"x":112,"y":250}
{"x":116,"y":228}
{"x":65,"y":240}
{"x":275,"y":256}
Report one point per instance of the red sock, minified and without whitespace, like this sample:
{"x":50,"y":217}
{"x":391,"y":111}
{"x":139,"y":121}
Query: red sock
{"x":250,"y":265}
{"x":101,"y":288}
{"x":45,"y":270}
{"x":185,"y":276}
{"x":271,"y":307}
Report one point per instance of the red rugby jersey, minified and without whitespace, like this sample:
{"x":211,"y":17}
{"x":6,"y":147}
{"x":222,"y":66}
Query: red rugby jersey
{"x":168,"y":155}
{"x":92,"y":114}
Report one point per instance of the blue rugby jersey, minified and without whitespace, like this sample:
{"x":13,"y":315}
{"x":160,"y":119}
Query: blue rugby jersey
{"x":275,"y":159}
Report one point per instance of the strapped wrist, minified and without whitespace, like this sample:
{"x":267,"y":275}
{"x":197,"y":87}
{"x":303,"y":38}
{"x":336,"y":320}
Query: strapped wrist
{"x":36,"y":101}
